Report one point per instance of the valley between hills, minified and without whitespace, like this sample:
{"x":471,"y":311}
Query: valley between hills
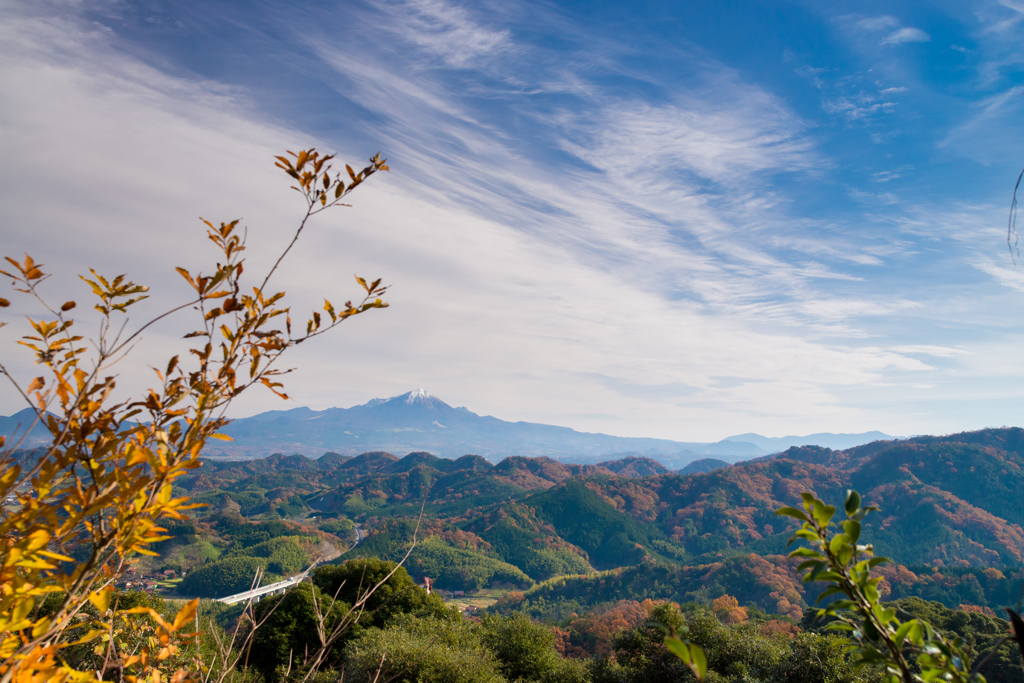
{"x":590,"y":549}
{"x":562,"y":538}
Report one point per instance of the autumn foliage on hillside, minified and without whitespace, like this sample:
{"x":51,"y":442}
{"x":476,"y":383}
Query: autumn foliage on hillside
{"x":728,"y":610}
{"x":592,"y":634}
{"x":942,"y":499}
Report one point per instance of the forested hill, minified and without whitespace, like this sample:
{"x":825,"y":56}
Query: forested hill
{"x":948,"y":504}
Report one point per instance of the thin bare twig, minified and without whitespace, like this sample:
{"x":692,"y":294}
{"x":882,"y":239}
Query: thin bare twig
{"x":1011,"y":224}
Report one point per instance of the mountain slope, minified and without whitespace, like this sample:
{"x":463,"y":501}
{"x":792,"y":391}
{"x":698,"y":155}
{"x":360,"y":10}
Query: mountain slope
{"x":610,"y":537}
{"x":949,"y":502}
{"x":418,"y":421}
{"x":632,"y":466}
{"x":16,"y":429}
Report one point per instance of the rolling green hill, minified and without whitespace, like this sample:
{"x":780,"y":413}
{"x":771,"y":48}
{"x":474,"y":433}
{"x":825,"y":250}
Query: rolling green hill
{"x":948,"y":504}
{"x":580,"y":516}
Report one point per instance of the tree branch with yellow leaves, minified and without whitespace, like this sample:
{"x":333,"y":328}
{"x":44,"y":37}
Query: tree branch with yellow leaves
{"x":105,"y":481}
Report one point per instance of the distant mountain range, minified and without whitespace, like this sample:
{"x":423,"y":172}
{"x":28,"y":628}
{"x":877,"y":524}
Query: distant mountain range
{"x":837,"y":442}
{"x":418,"y":421}
{"x":15,"y":426}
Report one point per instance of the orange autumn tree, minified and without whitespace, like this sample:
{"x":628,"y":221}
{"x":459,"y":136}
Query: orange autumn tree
{"x":594,"y":633}
{"x":728,"y":610}
{"x":99,"y":491}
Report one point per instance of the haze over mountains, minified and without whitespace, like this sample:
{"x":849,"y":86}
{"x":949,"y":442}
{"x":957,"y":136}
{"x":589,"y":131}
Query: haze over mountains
{"x":14,"y":427}
{"x":837,"y":442}
{"x":419,"y":421}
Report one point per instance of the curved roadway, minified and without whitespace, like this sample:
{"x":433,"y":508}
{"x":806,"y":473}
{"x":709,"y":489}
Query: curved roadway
{"x":281,"y":586}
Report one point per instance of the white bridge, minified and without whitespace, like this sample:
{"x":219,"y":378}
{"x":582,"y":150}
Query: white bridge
{"x":270,"y":589}
{"x":281,"y":586}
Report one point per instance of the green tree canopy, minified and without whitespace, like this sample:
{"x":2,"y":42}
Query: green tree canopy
{"x":225,"y":577}
{"x":397,"y":595}
{"x":290,"y":631}
{"x":526,"y":650}
{"x":416,"y":650}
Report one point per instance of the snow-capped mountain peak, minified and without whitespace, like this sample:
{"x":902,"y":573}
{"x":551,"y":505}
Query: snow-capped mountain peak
{"x":419,"y":395}
{"x":410,"y":398}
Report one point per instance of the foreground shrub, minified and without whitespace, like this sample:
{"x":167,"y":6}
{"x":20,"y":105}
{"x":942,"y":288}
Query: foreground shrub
{"x":394,"y":595}
{"x":290,"y":630}
{"x":415,"y":650}
{"x":735,"y":653}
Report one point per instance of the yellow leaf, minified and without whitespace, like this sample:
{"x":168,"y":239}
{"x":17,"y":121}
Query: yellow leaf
{"x":22,"y":609}
{"x":36,"y":564}
{"x":101,"y":598}
{"x":222,"y":437}
{"x":186,"y":614}
{"x":37,"y":384}
{"x":93,"y":634}
{"x":41,"y":627}
{"x":56,"y":556}
{"x":9,"y":476}
{"x":37,"y":540}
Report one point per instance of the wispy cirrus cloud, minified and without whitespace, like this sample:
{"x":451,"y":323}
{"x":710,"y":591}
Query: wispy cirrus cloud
{"x":648,"y":159}
{"x":726,"y":142}
{"x":895,"y":33}
{"x":569,"y":231}
{"x":446,"y":31}
{"x":859,"y":108}
{"x":880,"y":23}
{"x":678,"y":162}
{"x":937,"y":351}
{"x":907,"y":34}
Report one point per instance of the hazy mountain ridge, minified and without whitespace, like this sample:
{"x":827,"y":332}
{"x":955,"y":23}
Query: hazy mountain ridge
{"x":418,"y":421}
{"x":14,"y":428}
{"x":777,"y":444}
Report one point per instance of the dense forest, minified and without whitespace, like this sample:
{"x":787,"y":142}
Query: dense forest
{"x":588,"y":557}
{"x":592,"y":534}
{"x":585,"y":556}
{"x":406,"y":634}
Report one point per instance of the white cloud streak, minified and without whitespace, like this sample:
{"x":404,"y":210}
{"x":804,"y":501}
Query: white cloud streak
{"x":656,"y":250}
{"x":906,"y":35}
{"x":446,"y":32}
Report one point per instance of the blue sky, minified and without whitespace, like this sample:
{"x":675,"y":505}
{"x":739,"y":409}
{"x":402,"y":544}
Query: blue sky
{"x":680,"y":220}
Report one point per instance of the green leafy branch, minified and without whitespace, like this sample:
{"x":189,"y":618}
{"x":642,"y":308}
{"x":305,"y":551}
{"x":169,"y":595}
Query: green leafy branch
{"x":909,"y":652}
